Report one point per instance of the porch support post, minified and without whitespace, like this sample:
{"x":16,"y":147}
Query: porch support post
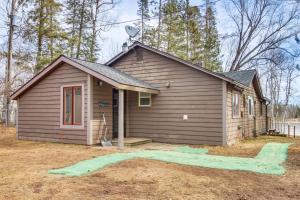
{"x":121,"y":120}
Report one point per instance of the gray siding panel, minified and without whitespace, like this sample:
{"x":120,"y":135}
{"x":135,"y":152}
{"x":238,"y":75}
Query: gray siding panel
{"x":191,"y":92}
{"x":245,"y":125}
{"x":101,"y":94}
{"x":39,"y":108}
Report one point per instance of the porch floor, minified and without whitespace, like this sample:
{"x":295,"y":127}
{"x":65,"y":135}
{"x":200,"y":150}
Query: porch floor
{"x":132,"y":141}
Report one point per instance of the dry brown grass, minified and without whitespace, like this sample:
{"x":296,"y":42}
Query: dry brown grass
{"x":24,"y":166}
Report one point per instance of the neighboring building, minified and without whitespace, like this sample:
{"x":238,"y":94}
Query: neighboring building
{"x":143,"y":92}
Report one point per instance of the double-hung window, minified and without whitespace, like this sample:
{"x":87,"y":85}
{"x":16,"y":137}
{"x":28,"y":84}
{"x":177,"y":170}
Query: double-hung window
{"x":235,"y":105}
{"x":72,"y":109}
{"x":250,"y":106}
{"x":144,"y":99}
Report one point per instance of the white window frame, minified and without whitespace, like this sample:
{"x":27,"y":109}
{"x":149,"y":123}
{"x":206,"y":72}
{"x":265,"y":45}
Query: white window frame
{"x":251,"y":111}
{"x":234,"y":95}
{"x":140,"y":97}
{"x":62,"y":125}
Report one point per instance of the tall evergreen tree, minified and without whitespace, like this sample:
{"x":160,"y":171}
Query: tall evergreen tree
{"x":179,"y":29}
{"x":43,"y":31}
{"x":193,"y":34}
{"x":158,"y":31}
{"x":173,"y":28}
{"x":82,"y":19}
{"x":144,"y":13}
{"x":211,"y":49}
{"x":152,"y":34}
{"x":77,"y":20}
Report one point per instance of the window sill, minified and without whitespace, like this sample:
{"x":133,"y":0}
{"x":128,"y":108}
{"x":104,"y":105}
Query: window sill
{"x":236,"y":117}
{"x":145,"y":106}
{"x":72,"y":127}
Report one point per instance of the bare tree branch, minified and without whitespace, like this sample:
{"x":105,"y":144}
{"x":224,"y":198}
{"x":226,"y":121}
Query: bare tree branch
{"x":260,"y":26}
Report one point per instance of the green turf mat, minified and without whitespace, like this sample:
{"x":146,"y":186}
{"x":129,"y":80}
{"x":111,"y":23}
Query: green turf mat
{"x":268,"y":161}
{"x":187,"y":149}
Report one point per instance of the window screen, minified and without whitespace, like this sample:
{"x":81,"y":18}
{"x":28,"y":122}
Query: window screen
{"x":144,"y":99}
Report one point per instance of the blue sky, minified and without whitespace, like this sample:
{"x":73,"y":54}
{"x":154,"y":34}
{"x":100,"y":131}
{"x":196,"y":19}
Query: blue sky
{"x":127,"y":9}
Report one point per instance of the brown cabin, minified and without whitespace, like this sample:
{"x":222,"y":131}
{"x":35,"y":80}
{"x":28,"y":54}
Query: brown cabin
{"x":143,"y":92}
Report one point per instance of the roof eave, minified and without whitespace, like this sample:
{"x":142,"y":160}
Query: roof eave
{"x":65,"y":59}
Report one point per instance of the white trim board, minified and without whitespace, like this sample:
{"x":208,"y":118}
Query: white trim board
{"x":224,"y":112}
{"x":61,"y":125}
{"x":89,"y":109}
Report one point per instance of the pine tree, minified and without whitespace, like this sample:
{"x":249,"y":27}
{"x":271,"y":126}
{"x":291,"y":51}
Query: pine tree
{"x":211,"y":42}
{"x":173,"y":28}
{"x":152,"y":34}
{"x":43,"y":31}
{"x":77,"y":19}
{"x":92,"y":41}
{"x":193,"y":34}
{"x":143,"y":12}
{"x":158,"y":31}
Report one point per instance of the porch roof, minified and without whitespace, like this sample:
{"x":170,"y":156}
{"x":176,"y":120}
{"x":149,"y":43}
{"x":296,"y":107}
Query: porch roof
{"x":115,"y":74}
{"x":105,"y":73}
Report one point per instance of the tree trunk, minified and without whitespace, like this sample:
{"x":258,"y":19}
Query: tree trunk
{"x":159,"y":25}
{"x":73,"y":29}
{"x":142,"y":22}
{"x":94,"y":31}
{"x":80,"y":30}
{"x":40,"y":36}
{"x":51,"y":33}
{"x":9,"y":64}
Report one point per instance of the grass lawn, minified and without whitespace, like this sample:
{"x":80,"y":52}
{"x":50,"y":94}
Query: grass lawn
{"x":24,"y":166}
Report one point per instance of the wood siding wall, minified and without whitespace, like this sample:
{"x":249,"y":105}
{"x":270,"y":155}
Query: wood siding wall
{"x":244,"y":126}
{"x":104,"y":94}
{"x":39,"y":108}
{"x":191,"y":93}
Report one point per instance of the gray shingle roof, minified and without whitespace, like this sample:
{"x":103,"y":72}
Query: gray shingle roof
{"x":244,"y":77}
{"x":170,"y":56}
{"x":114,"y":74}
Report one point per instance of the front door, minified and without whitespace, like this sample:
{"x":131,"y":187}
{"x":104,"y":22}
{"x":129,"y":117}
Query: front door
{"x":116,"y":112}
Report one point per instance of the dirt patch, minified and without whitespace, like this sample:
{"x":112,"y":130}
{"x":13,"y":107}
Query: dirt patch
{"x":24,"y":166}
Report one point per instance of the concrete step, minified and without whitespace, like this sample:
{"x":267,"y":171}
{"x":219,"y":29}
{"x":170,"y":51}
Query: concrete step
{"x":131,"y":141}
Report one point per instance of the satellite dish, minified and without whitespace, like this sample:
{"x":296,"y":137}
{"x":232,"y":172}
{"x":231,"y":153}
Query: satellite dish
{"x":297,"y":39}
{"x":131,"y":31}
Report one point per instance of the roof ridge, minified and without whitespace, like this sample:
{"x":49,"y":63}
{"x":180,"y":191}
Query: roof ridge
{"x":244,"y":70}
{"x":84,"y":60}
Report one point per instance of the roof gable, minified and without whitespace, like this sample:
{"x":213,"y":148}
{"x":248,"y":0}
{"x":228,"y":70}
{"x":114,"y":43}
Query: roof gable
{"x":110,"y":75}
{"x":247,"y":78}
{"x":244,"y":77}
{"x":241,"y":79}
{"x":174,"y":58}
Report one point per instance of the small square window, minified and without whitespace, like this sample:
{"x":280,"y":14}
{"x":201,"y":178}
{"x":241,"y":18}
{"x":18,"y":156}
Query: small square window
{"x":144,"y":99}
